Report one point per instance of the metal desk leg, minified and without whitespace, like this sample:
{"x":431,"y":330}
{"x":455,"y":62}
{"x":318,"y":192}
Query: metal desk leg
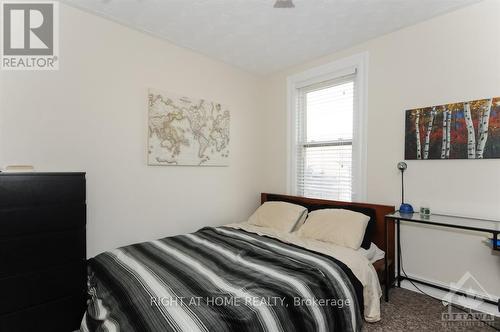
{"x":399,"y":252}
{"x":386,"y":263}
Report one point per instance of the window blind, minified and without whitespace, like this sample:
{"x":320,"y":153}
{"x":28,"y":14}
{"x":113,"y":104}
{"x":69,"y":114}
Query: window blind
{"x":324,"y":132}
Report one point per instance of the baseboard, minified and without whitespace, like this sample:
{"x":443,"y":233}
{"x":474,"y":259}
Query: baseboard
{"x":440,"y":294}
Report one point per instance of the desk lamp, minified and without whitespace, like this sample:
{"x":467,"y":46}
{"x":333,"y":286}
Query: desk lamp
{"x":404,"y":208}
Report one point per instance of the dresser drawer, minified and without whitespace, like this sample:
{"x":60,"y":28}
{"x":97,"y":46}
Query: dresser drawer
{"x":30,"y":289}
{"x":40,"y":189}
{"x":41,"y":219}
{"x":63,"y":315}
{"x":40,"y":251}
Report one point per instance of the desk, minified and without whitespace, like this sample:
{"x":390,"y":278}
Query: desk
{"x":472,"y":224}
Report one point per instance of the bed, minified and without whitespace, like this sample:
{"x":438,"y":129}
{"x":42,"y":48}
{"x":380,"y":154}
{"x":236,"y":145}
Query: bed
{"x":236,"y":277}
{"x":378,"y":233}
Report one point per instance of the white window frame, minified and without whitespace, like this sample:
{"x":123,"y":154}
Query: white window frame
{"x":356,"y":63}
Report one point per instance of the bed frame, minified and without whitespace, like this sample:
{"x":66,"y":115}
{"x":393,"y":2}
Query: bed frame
{"x":378,"y":236}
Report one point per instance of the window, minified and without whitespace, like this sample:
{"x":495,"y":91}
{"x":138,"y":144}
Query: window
{"x":324,"y":131}
{"x":327,"y":150}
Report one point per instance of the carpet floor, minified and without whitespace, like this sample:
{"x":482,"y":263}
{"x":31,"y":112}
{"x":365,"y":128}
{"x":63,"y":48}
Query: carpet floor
{"x":409,"y":310}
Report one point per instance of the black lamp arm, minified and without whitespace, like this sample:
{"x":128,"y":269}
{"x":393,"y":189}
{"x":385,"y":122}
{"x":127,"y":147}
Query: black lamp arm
{"x":402,"y":187}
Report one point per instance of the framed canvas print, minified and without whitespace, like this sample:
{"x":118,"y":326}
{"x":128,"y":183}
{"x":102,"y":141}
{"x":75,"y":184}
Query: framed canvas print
{"x":466,"y":130}
{"x":187,"y":131}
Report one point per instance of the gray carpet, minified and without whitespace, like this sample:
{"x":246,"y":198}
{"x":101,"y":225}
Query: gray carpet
{"x":409,"y":310}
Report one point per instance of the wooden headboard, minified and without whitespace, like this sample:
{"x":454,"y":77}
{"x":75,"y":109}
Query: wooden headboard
{"x":378,"y":236}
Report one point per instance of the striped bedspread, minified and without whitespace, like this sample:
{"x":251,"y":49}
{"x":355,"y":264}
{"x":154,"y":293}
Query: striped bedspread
{"x":220,"y":279}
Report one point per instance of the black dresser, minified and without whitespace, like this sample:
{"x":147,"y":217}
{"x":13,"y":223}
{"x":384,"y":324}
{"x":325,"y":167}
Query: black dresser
{"x":42,"y":251}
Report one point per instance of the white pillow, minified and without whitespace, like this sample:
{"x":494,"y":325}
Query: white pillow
{"x":373,"y":254}
{"x":281,"y":216}
{"x":342,"y":227}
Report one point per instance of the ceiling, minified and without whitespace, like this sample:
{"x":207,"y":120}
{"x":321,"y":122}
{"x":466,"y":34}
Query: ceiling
{"x":253,"y":35}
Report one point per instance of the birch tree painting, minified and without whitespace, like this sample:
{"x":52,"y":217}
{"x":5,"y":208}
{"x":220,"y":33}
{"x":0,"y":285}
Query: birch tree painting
{"x":465,"y":130}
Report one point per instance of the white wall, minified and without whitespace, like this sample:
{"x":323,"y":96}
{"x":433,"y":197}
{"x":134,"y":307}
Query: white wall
{"x":452,"y":58}
{"x":91,"y":116}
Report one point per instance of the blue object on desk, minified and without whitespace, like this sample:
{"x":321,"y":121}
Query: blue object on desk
{"x":406,"y":208}
{"x":493,"y":242}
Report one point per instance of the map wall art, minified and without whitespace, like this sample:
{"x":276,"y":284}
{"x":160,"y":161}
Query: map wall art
{"x":187,"y":131}
{"x":466,"y":130}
